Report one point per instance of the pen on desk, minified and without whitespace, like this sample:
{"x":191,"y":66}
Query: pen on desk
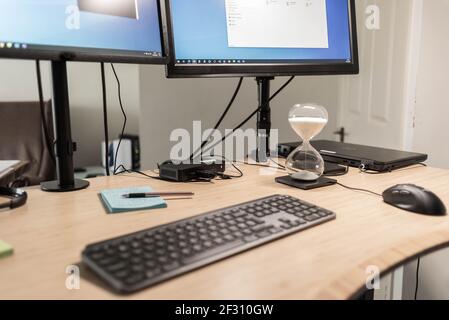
{"x":158,"y":194}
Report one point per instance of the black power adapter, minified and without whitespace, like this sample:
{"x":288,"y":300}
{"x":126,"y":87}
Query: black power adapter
{"x":185,"y":172}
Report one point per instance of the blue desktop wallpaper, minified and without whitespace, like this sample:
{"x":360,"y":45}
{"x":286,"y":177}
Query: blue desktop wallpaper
{"x":200,"y":32}
{"x":43,"y":22}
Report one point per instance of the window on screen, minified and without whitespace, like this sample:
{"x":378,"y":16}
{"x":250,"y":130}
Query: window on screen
{"x":277,"y":23}
{"x":119,"y":8}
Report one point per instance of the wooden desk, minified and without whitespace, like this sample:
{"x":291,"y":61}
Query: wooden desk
{"x":325,"y":262}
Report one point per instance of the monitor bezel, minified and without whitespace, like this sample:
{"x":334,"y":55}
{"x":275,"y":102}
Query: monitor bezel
{"x":83,"y":54}
{"x":174,"y":70}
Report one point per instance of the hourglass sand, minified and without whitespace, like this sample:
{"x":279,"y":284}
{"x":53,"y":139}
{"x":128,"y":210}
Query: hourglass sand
{"x":305,"y":165}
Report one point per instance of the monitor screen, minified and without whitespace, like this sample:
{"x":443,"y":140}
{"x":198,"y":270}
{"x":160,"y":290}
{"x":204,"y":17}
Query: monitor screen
{"x":81,"y":29}
{"x":230,"y":36}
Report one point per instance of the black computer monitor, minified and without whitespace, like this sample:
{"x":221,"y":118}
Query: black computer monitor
{"x":126,"y":31}
{"x":261,"y":38}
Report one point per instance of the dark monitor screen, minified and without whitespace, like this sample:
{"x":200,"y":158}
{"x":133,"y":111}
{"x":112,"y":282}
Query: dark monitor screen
{"x":272,"y":37}
{"x":91,"y":30}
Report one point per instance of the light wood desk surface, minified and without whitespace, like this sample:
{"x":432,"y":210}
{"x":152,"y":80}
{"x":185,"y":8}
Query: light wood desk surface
{"x":325,"y":262}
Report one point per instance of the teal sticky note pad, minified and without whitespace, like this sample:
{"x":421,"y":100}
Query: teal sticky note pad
{"x":115,"y":202}
{"x":5,"y":249}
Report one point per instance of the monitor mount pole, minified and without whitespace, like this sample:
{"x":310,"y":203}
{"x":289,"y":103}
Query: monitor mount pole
{"x":64,"y":146}
{"x":263,"y":119}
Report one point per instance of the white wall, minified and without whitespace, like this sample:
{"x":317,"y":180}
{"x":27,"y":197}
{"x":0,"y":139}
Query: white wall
{"x":168,"y":104}
{"x":18,"y":83}
{"x":430,"y":132}
{"x":432,"y":94}
{"x":87,"y":107}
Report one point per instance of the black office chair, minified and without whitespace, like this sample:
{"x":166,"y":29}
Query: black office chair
{"x":22,"y":138}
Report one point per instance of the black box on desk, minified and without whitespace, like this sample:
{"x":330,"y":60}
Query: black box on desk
{"x":188,"y":172}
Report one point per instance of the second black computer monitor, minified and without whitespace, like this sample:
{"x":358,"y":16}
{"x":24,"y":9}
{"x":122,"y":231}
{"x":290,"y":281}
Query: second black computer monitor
{"x":223,"y":38}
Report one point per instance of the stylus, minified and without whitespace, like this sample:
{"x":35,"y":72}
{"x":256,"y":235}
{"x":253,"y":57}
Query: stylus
{"x":158,"y":194}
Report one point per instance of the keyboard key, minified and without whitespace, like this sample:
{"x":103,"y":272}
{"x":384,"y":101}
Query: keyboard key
{"x":171,"y":266}
{"x":116,"y":267}
{"x":312,"y":217}
{"x":240,"y":214}
{"x":134,"y":279}
{"x":138,"y":268}
{"x":260,"y":228}
{"x":275,"y":230}
{"x":121,"y":274}
{"x":151,"y":274}
{"x":250,"y":238}
{"x":212,"y":252}
{"x":263,"y":234}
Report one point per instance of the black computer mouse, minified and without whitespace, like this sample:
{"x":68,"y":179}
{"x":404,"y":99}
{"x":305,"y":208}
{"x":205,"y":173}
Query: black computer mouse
{"x":415,"y":199}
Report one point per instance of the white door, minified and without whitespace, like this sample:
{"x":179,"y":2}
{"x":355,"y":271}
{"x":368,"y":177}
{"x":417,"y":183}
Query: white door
{"x":373,"y":105}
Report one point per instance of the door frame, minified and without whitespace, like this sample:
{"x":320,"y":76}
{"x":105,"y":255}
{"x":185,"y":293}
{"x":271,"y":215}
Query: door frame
{"x":413,"y":60}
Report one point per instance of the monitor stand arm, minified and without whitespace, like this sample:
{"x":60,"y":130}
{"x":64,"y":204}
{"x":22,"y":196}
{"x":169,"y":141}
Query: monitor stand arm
{"x":65,"y":147}
{"x":263,"y":119}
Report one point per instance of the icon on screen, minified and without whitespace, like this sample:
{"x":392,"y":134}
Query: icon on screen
{"x":2,"y":45}
{"x":119,"y":8}
{"x":9,"y":45}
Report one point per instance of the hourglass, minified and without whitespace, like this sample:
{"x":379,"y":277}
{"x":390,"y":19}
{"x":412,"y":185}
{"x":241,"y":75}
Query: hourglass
{"x":305,"y":163}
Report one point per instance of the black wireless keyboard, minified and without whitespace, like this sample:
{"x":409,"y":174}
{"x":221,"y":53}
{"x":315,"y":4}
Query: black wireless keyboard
{"x":139,"y":260}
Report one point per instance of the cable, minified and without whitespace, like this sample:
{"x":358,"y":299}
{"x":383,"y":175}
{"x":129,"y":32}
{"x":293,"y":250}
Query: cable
{"x":238,"y":170}
{"x":280,"y":166}
{"x":282,"y":88}
{"x":357,"y":189}
{"x":391,"y":171}
{"x":338,"y":174}
{"x":231,"y":102}
{"x":233,"y":163}
{"x":124,"y":116}
{"x":48,"y":142}
{"x":251,"y":115}
{"x":105,"y":119}
{"x":124,"y":170}
{"x":417,"y":279}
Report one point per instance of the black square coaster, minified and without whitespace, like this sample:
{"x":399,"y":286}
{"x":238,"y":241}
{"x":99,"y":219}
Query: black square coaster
{"x":306,"y":185}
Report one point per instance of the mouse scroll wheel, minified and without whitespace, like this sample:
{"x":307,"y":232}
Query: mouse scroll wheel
{"x":401,"y":192}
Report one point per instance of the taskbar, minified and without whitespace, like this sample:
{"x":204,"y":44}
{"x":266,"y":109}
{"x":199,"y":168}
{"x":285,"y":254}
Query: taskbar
{"x":24,"y":47}
{"x":252,"y":61}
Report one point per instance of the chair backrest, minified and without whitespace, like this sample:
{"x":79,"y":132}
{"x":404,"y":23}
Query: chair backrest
{"x":22,"y":138}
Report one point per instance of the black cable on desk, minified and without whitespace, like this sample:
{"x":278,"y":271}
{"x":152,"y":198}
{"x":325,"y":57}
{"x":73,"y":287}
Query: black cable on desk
{"x":105,"y":119}
{"x":358,"y":189}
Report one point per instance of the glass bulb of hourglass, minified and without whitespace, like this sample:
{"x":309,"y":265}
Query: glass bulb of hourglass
{"x":305,"y":163}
